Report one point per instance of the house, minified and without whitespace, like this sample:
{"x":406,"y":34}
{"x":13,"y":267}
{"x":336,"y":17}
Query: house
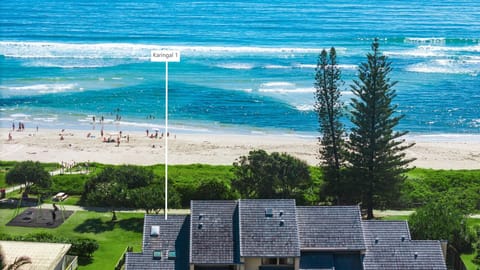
{"x":276,"y":234}
{"x":44,"y":256}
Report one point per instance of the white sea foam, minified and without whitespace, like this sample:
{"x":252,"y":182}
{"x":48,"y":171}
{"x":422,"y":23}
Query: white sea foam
{"x":276,"y":67}
{"x":305,"y":107}
{"x":277,"y":84}
{"x":447,"y":66}
{"x":236,"y":66}
{"x":42,"y":88}
{"x":20,"y":115}
{"x":342,"y":66}
{"x":46,"y":119}
{"x":283,"y":87}
{"x":126,"y":50}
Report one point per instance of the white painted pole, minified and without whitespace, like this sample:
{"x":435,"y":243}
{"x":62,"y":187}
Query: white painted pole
{"x":166,"y":140}
{"x":165,"y":56}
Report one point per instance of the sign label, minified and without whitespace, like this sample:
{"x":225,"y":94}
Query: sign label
{"x":165,"y":56}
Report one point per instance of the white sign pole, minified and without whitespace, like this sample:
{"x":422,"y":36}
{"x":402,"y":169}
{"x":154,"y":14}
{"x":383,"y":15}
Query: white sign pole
{"x":166,"y":139}
{"x":166,"y":56}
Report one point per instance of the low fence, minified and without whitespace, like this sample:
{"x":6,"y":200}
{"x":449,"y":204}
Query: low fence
{"x":121,"y":262}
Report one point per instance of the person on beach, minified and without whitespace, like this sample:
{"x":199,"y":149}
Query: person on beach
{"x":118,"y":141}
{"x":9,"y":136}
{"x":13,"y":126}
{"x":128,"y":138}
{"x":101,"y":132}
{"x":147,"y":132}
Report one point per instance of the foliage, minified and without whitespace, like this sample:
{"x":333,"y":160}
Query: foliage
{"x":112,"y":186}
{"x":444,"y":217}
{"x":376,"y":157}
{"x":329,"y":110}
{"x":72,"y":184}
{"x":28,"y":173}
{"x":263,"y":175}
{"x":82,"y":247}
{"x":422,"y":184}
{"x":151,"y":198}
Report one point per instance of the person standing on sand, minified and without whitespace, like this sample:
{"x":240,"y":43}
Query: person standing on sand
{"x":13,"y":126}
{"x":9,"y":136}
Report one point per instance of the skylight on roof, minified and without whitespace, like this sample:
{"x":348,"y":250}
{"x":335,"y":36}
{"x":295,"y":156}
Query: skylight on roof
{"x":268,"y":212}
{"x":155,"y":231}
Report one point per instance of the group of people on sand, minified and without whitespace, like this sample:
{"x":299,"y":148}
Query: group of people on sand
{"x":21,"y":126}
{"x":155,"y":136}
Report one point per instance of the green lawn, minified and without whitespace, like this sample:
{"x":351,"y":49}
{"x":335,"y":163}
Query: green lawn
{"x":112,"y":238}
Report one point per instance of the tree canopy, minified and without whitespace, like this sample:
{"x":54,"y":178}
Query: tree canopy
{"x":28,"y":173}
{"x":266,"y":176}
{"x":329,"y":110}
{"x":376,"y":158}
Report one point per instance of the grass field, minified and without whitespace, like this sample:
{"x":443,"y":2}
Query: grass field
{"x":112,"y":238}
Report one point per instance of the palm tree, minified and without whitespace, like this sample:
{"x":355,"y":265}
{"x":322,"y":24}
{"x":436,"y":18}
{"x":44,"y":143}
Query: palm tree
{"x":19,"y":261}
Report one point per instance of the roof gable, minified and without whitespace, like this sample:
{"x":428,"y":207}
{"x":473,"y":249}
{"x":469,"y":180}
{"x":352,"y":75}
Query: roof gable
{"x":330,"y":228}
{"x":262,"y":235}
{"x":173,"y":236}
{"x":379,"y":232}
{"x":415,"y":255}
{"x":214,"y":234}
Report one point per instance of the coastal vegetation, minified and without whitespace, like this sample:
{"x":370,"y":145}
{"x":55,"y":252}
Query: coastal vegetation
{"x":372,"y":161}
{"x":215,"y":182}
{"x":330,"y":109}
{"x":28,"y":173}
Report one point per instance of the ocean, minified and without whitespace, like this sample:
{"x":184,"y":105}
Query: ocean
{"x":246,"y":66}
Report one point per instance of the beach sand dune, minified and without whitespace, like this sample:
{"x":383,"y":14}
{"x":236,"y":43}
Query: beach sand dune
{"x":47,"y":146}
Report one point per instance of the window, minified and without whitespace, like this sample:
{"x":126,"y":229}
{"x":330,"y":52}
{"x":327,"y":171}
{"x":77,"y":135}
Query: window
{"x":278,"y":261}
{"x":288,"y":260}
{"x":172,"y":254}
{"x":269,"y":261}
{"x":157,"y":254}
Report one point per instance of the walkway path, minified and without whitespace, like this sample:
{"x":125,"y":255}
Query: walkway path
{"x":107,"y":209}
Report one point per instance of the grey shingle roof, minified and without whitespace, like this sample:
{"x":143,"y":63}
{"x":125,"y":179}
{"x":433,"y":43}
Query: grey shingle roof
{"x":385,"y":232}
{"x":174,"y":235}
{"x":214,"y":238}
{"x":262,"y":236}
{"x":330,"y":228}
{"x":401,"y":255}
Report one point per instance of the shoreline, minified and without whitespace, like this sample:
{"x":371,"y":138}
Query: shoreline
{"x":436,"y":151}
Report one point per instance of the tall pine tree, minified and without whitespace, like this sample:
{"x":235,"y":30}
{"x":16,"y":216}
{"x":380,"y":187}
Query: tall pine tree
{"x":376,"y":153}
{"x":329,"y":110}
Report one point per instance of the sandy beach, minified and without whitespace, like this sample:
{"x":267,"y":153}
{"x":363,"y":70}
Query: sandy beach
{"x":136,"y":148}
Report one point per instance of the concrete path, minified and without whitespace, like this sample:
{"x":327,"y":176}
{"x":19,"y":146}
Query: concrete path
{"x":107,"y":209}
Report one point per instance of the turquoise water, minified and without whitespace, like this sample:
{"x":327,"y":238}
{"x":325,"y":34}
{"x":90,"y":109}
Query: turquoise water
{"x":246,"y":66}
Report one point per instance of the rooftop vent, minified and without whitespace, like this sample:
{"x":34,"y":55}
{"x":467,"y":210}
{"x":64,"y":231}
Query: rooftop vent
{"x":157,"y":254}
{"x":268,"y":212}
{"x":403,"y":238}
{"x":415,"y":255}
{"x":281,"y":213}
{"x":155,"y":231}
{"x":200,"y":216}
{"x":200,"y":225}
{"x":376,"y":240}
{"x":282,"y":223}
